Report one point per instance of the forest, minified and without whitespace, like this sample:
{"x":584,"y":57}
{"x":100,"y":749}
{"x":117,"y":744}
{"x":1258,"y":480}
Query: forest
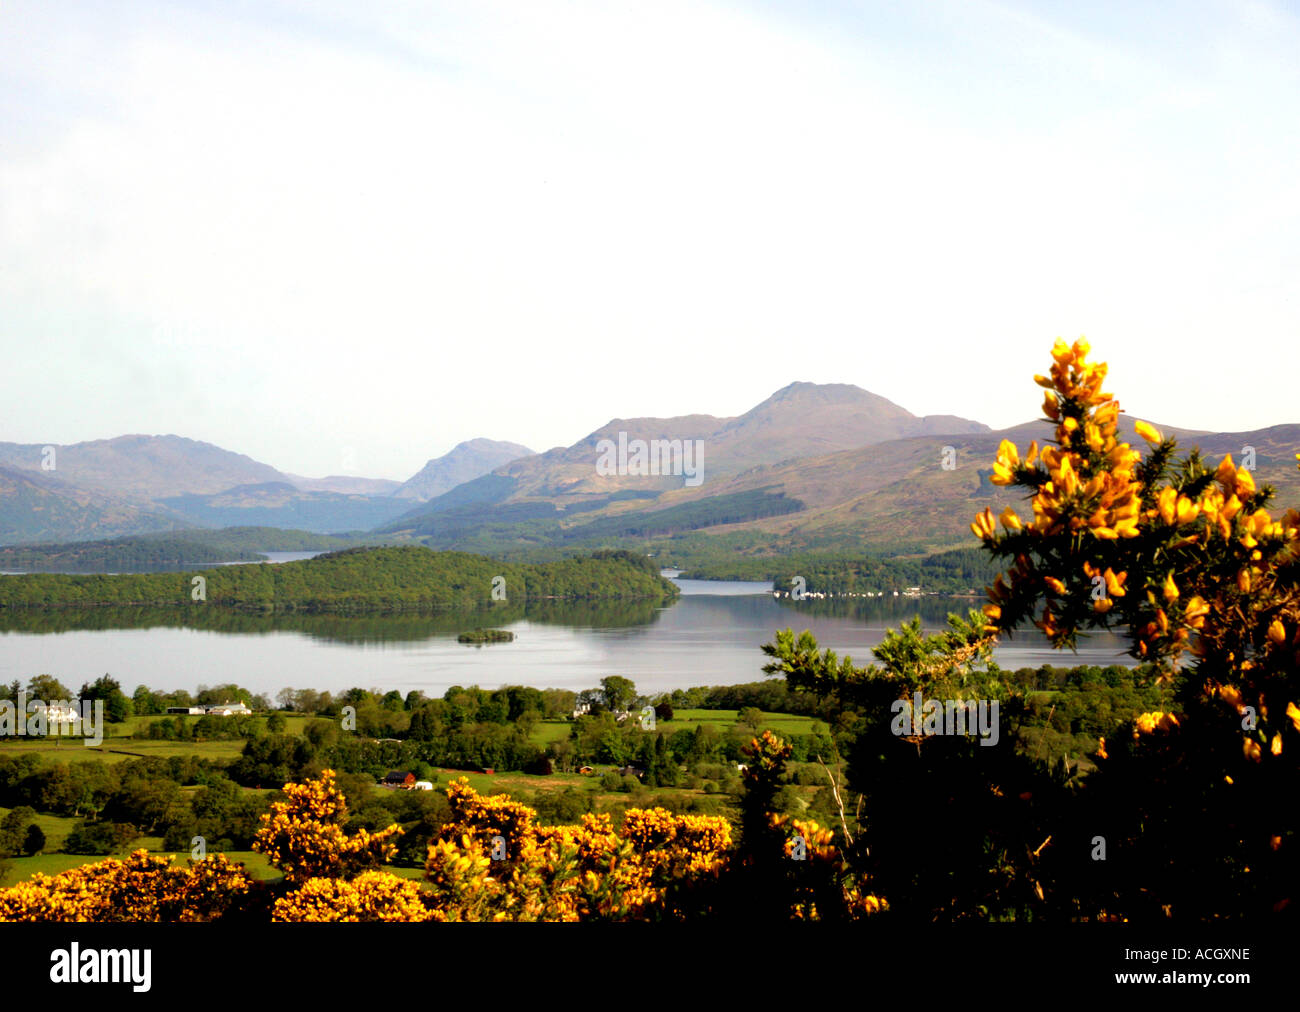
{"x":362,"y":579}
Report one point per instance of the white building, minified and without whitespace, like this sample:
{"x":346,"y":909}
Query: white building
{"x":228,"y":710}
{"x":56,"y":713}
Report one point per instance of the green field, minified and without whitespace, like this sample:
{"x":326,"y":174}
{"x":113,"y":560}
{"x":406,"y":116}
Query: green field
{"x":783,"y":724}
{"x":120,"y":745}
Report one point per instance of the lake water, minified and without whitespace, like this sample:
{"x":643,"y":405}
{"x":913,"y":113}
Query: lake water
{"x":712,"y":635}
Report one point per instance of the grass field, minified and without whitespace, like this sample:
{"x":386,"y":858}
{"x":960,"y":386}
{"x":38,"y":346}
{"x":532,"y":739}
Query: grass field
{"x":548,"y":732}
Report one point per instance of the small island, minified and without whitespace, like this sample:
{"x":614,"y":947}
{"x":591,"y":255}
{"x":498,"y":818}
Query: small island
{"x":480,"y":636}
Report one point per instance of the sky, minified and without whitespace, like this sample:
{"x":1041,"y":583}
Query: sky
{"x":342,"y":238}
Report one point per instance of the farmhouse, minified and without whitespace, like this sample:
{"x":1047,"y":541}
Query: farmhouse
{"x":400,"y":778}
{"x":189,"y":710}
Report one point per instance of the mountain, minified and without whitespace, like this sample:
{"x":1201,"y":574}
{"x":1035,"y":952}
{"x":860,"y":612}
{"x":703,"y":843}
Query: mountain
{"x":136,"y":484}
{"x":464,"y":462}
{"x":889,"y":497}
{"x":810,"y":419}
{"x":798,"y":421}
{"x":143,"y":468}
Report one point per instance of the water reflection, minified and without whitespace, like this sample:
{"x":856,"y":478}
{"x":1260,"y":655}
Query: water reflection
{"x":699,"y":639}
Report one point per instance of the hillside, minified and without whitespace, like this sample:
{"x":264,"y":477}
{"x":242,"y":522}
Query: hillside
{"x":35,"y":506}
{"x":893,"y":497}
{"x":166,"y":549}
{"x":280,"y":504}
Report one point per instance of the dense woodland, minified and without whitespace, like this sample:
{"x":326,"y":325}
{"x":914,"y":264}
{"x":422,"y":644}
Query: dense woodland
{"x":355,"y":580}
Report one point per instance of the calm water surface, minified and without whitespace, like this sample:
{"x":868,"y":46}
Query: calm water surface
{"x":712,"y":635}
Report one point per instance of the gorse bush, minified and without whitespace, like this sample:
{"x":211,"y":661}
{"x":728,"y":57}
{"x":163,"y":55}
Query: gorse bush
{"x":1184,"y":810}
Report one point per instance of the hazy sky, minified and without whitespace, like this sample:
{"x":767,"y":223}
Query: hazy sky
{"x":296,"y":229}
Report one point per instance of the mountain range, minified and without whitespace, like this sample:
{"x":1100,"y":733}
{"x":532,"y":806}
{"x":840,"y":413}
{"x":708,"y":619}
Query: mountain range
{"x":138,"y":484}
{"x":814,"y":467}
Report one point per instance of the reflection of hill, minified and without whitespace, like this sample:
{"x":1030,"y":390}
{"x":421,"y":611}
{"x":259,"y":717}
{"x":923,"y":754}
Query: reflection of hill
{"x":365,"y":628}
{"x":884,"y":610}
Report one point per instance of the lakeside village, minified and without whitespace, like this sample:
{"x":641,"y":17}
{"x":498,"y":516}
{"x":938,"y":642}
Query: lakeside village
{"x":798,"y":594}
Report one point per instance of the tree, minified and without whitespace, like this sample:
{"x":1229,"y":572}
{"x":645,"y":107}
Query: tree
{"x":34,"y":841}
{"x":617,"y":693}
{"x":117,"y":707}
{"x":13,"y":829}
{"x":275,"y":723}
{"x":144,"y":701}
{"x":47,"y":688}
{"x":286,"y":698}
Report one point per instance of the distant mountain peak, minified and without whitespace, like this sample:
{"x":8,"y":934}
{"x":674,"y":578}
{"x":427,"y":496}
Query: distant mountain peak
{"x":464,"y":462}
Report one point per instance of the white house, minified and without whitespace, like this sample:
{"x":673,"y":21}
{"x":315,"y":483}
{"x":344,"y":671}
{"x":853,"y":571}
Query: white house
{"x":56,"y":713}
{"x":228,"y":710}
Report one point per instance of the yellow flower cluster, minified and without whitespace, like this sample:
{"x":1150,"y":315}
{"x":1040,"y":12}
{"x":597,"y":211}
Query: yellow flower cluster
{"x":303,"y":835}
{"x":1147,"y":723}
{"x":494,"y":863}
{"x":1089,"y":494}
{"x":139,"y":887}
{"x":371,"y":896}
{"x":829,"y":880}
